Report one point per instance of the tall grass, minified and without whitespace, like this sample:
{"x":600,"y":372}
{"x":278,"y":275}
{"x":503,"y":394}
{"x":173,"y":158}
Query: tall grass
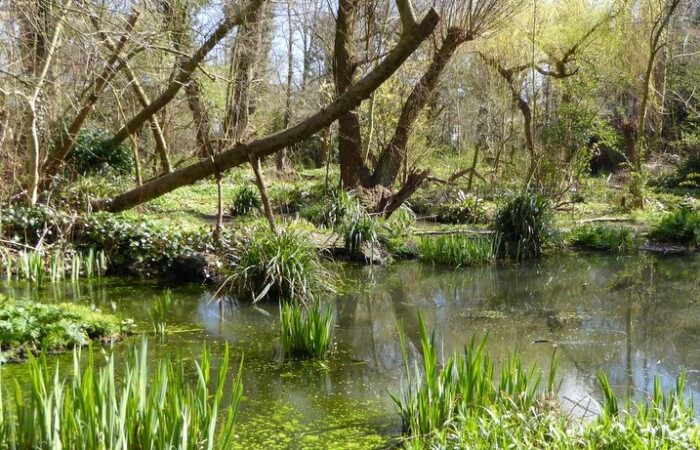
{"x":358,"y":229}
{"x":437,"y":394}
{"x":152,"y":408}
{"x":523,"y":227}
{"x":284,"y":266}
{"x":38,"y":266}
{"x":457,"y":250}
{"x":307,"y":332}
{"x":604,"y":238}
{"x":246,"y":200}
{"x":159,"y":313}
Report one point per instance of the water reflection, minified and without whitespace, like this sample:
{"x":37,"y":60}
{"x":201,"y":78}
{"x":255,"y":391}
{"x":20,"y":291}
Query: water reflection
{"x":633,"y":317}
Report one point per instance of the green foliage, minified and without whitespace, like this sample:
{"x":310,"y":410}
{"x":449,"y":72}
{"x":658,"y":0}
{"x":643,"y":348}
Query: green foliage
{"x":36,"y":266}
{"x":282,"y":266}
{"x":333,"y":210}
{"x":463,"y":386}
{"x":450,"y":206}
{"x":306,"y":331}
{"x":457,"y":250}
{"x":27,"y":327}
{"x":604,"y":238}
{"x":461,"y":403}
{"x":93,"y":155}
{"x":246,"y":200}
{"x":523,"y":227}
{"x":681,"y":226}
{"x":687,"y":175}
{"x":32,"y":224}
{"x":163,"y":407}
{"x":666,"y":420}
{"x":358,"y":229}
{"x":142,"y":247}
{"x":159,"y":313}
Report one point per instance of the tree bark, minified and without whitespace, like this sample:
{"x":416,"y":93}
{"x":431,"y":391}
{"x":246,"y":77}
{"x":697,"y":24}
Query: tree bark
{"x":353,"y":171}
{"x":68,"y":138}
{"x":392,"y":157}
{"x":184,"y":69}
{"x":240,"y":152}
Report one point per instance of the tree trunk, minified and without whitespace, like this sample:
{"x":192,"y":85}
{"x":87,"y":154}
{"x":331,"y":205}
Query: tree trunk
{"x":393,"y":156}
{"x":239,"y":153}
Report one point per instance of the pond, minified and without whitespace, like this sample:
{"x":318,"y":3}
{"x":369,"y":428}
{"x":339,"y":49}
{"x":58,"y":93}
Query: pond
{"x":634,"y":317}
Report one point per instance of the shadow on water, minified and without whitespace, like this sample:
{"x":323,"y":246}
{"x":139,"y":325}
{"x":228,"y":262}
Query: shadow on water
{"x":634,"y":317}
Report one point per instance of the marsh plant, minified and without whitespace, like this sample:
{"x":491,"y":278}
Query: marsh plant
{"x":360,"y":229}
{"x":462,"y":403}
{"x":280,"y":266}
{"x":457,"y":250}
{"x":437,"y":393}
{"x":86,"y":408}
{"x":681,"y":226}
{"x":37,"y":266}
{"x":604,"y":238}
{"x":523,"y":227}
{"x":306,"y":331}
{"x":159,"y":313}
{"x":246,"y":200}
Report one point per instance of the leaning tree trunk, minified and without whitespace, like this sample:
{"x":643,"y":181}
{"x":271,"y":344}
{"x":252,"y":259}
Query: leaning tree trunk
{"x":240,"y":153}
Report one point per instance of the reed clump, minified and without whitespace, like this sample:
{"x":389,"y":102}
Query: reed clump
{"x":306,"y":331}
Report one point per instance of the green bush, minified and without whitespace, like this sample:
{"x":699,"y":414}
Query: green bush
{"x":523,"y":228}
{"x":686,"y":176}
{"x":457,"y":250}
{"x":604,"y":238}
{"x":284,"y":266}
{"x":160,"y":407}
{"x":333,"y":210}
{"x":306,"y":331}
{"x":30,"y":224}
{"x":681,"y":226}
{"x":92,"y":154}
{"x":246,"y":200}
{"x":28,"y":327}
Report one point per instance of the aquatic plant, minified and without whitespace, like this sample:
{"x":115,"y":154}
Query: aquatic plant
{"x":28,"y":327}
{"x":457,"y":250}
{"x":461,"y":403}
{"x":281,"y":266}
{"x":604,"y":238}
{"x":523,"y":227}
{"x":359,"y":229}
{"x":246,"y":200}
{"x":306,"y":331}
{"x":152,"y":408}
{"x":463,"y":386}
{"x":681,"y":226}
{"x":159,"y":313}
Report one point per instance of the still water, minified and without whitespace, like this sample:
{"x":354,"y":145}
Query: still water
{"x":635,"y":317}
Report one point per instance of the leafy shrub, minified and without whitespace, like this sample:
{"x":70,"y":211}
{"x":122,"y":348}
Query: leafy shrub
{"x":160,"y":407}
{"x":246,"y":200}
{"x":307,"y":332}
{"x":333,"y":210}
{"x":604,"y":238}
{"x":284,"y":266}
{"x":523,"y":227}
{"x":457,"y":250}
{"x":30,"y":224}
{"x":681,"y":226}
{"x":450,"y":206}
{"x":30,"y":327}
{"x":140,"y":247}
{"x":92,"y":154}
{"x":686,"y":176}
